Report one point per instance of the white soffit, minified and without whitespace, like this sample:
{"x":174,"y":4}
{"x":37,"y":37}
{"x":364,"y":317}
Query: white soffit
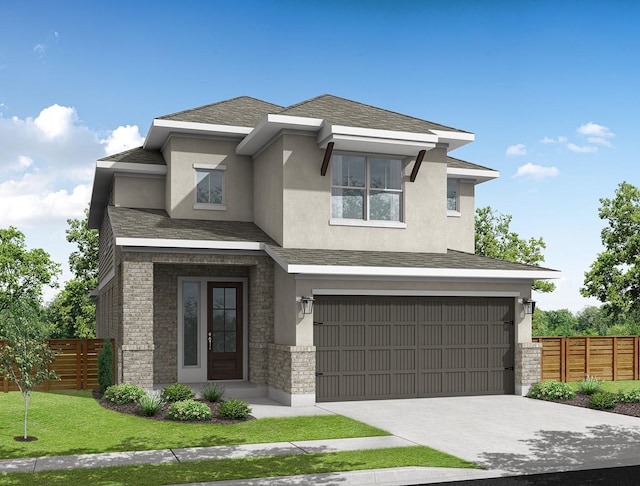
{"x":476,"y":175}
{"x":161,"y":129}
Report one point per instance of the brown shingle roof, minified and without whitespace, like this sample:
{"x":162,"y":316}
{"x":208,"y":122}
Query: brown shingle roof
{"x":242,"y":111}
{"x":452,"y":259}
{"x":341,"y":111}
{"x":463,"y":164}
{"x":156,"y":223}
{"x":137,"y":155}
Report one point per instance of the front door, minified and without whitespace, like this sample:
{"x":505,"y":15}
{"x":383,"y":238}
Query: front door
{"x":224,"y":331}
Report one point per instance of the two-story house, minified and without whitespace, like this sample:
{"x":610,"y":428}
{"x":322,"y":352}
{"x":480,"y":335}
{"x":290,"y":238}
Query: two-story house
{"x":321,"y":251}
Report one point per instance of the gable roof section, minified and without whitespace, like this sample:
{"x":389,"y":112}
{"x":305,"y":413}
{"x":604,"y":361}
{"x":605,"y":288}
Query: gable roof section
{"x":454,"y":163}
{"x":341,"y":111}
{"x":242,"y":111}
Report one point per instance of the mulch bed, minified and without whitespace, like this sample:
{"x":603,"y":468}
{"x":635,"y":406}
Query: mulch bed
{"x":132,"y":409}
{"x":582,"y":400}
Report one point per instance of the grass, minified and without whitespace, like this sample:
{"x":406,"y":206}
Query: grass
{"x":74,"y":423}
{"x":229,"y":469}
{"x":612,"y":386}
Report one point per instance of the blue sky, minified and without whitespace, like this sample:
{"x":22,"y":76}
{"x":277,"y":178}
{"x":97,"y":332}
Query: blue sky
{"x":549,"y":89}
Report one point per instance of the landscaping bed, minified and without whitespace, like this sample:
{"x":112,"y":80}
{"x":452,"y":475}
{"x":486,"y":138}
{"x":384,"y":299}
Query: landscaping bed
{"x":133,"y":409}
{"x":582,"y":400}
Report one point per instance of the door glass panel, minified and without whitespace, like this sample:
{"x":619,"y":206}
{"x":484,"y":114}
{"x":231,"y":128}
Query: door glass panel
{"x":218,"y":342}
{"x":218,"y":320}
{"x":190,"y":306}
{"x":230,"y":298}
{"x":230,"y":320}
{"x":218,"y":298}
{"x":230,"y":342}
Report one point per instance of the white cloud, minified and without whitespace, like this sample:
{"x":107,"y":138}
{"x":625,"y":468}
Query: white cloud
{"x":547,"y":140}
{"x":594,"y":130}
{"x":121,"y":139}
{"x":39,"y":49}
{"x":56,"y":121}
{"x":599,"y":141}
{"x":34,"y":200}
{"x":516,"y":150}
{"x":537,"y":172}
{"x":24,"y":162}
{"x":585,"y":149}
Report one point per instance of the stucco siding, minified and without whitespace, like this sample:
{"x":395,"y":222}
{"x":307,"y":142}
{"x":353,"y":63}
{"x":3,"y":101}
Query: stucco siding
{"x":307,"y":205}
{"x":267,"y":190}
{"x":139,"y":192}
{"x":182,"y":153}
{"x":461,"y":228}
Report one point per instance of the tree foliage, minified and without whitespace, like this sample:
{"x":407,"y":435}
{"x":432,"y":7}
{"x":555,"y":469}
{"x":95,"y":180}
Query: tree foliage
{"x":23,"y":272}
{"x":72,"y":312}
{"x":614,"y":277}
{"x":590,"y":321}
{"x":494,"y":239}
{"x":25,"y":356}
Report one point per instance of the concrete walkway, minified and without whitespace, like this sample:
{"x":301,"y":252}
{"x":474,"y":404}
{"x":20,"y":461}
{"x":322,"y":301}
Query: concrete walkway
{"x":393,"y":476}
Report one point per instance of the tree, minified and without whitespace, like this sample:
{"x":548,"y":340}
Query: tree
{"x":25,"y":356}
{"x":72,"y":312}
{"x":494,"y":239}
{"x":614,"y":277}
{"x":23,"y":273}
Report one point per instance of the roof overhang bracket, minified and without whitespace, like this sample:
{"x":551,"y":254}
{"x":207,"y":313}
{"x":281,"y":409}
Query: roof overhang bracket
{"x":416,"y":166}
{"x":327,"y":158}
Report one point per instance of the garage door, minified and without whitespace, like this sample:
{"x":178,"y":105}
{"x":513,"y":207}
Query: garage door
{"x":406,"y":347}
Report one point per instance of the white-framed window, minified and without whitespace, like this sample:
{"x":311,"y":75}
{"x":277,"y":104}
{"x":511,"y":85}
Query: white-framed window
{"x":453,"y":196}
{"x":210,"y":191}
{"x":367,"y":188}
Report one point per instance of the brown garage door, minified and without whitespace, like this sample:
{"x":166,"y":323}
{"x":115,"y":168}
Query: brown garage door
{"x":406,"y":347}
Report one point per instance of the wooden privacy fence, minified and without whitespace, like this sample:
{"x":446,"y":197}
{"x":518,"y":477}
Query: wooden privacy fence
{"x":572,"y":358}
{"x":76,"y":363}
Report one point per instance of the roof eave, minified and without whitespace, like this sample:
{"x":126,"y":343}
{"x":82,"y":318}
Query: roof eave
{"x":161,"y":129}
{"x":455,"y":139}
{"x":477,"y":176}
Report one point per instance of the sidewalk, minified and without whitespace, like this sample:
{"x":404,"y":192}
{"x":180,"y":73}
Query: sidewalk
{"x":394,"y":476}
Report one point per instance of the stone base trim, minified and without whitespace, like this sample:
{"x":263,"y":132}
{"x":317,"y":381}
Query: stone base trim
{"x":527,"y":366}
{"x":138,"y":347}
{"x":298,"y":400}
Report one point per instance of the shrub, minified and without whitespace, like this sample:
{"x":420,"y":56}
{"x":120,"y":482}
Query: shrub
{"x":590,"y":385}
{"x":603,"y":401}
{"x":234,"y":409}
{"x":105,"y":366}
{"x":213,"y":392}
{"x":177,"y":393}
{"x":123,"y":393}
{"x":188,"y":410}
{"x":629,"y":396}
{"x":551,"y":390}
{"x":150,"y":404}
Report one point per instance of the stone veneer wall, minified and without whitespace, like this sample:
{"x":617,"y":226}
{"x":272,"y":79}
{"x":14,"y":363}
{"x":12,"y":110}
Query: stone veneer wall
{"x":149,"y":306}
{"x":292,"y":369}
{"x":527,"y":366}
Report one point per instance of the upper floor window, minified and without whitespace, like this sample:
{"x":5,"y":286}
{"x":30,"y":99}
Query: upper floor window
{"x":453,"y":201}
{"x":367,"y":188}
{"x":209,"y":186}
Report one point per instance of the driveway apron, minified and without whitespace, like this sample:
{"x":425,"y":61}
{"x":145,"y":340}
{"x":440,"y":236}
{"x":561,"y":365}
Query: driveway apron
{"x":506,"y":432}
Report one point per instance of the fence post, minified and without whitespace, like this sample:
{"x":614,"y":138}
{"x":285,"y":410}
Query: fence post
{"x":587,"y":356}
{"x":614,"y":365}
{"x":635,"y":357}
{"x":563,"y":359}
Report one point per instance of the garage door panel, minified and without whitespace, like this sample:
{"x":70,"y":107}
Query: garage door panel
{"x":413,"y":347}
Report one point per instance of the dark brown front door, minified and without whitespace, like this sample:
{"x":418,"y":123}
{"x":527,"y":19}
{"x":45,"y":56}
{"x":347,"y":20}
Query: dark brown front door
{"x":224,"y":330}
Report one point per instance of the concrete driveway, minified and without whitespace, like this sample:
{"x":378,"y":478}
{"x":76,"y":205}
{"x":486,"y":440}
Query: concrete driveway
{"x":508,"y":433}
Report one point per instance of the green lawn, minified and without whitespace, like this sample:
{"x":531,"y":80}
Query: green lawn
{"x":612,"y":386}
{"x":227,"y":469}
{"x":74,"y":423}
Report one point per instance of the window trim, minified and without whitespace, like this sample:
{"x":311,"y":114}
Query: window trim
{"x":198,"y":167}
{"x":367,"y":191}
